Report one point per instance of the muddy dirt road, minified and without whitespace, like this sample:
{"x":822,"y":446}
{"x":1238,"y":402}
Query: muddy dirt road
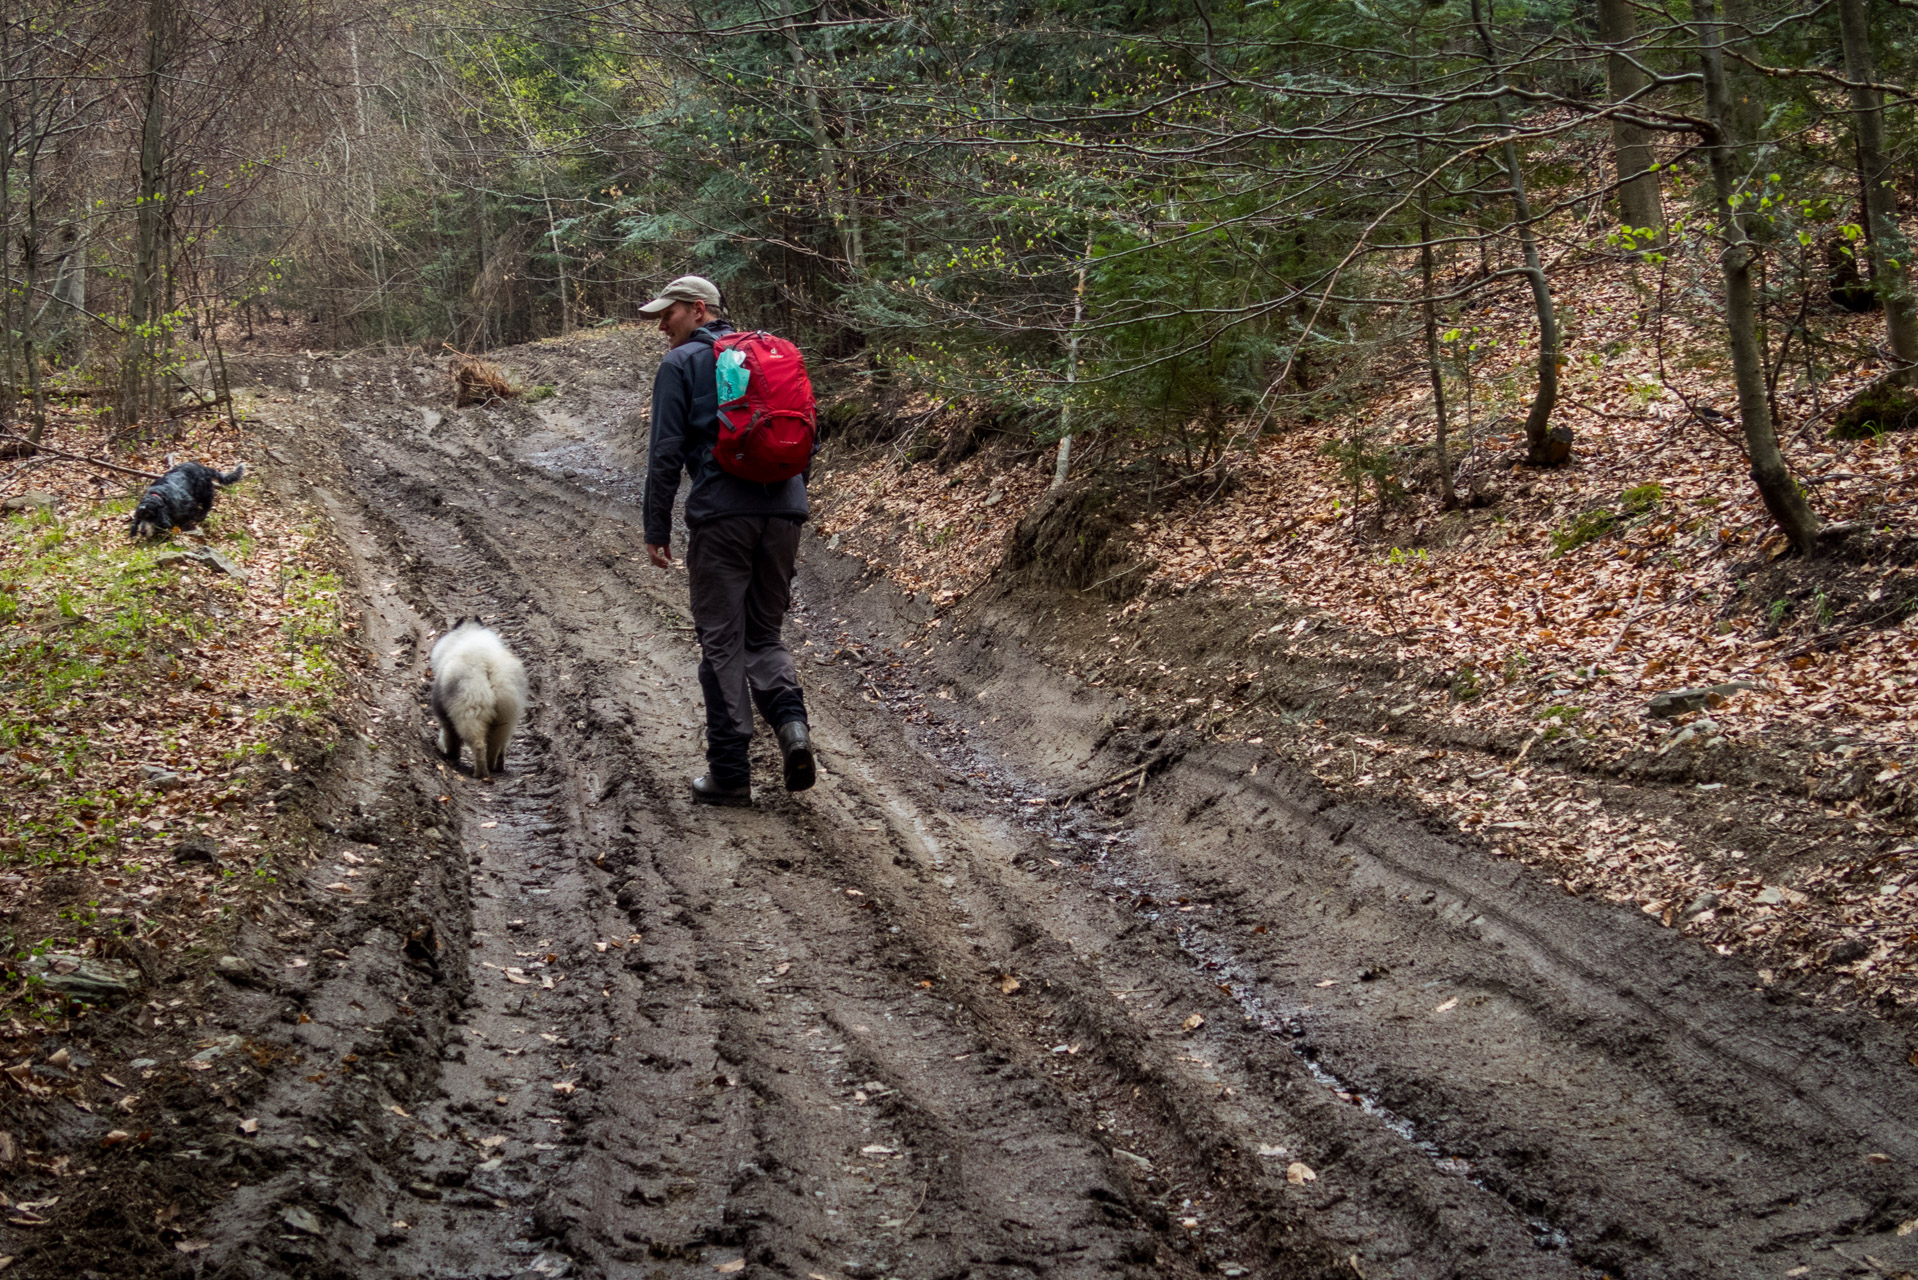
{"x":922,"y":1021}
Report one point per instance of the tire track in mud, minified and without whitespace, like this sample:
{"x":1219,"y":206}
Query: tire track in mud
{"x":697,"y":1017}
{"x":971,"y":1120}
{"x":791,"y":1036}
{"x":1665,"y":1118}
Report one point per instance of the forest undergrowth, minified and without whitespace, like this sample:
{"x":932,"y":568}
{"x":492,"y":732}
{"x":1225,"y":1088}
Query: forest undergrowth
{"x":157,"y":697}
{"x":1498,"y":667}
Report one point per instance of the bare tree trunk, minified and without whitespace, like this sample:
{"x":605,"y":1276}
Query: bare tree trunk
{"x":1064,"y":462}
{"x":67,"y":300}
{"x":10,"y":391}
{"x":30,"y":269}
{"x":1744,"y":96}
{"x":546,"y":199}
{"x":359,"y":89}
{"x":1546,"y":445}
{"x":1776,"y":487}
{"x":559,"y":260}
{"x":1448,"y":497}
{"x":1638,"y":202}
{"x":146,"y":260}
{"x":1890,"y":249}
{"x":845,"y":218}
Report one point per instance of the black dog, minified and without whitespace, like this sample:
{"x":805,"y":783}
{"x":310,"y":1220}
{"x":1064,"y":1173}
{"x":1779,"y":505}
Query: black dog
{"x":179,"y":499}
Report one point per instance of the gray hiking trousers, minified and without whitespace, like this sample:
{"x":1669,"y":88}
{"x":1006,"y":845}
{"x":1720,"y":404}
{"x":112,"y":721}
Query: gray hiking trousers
{"x":741,"y":571}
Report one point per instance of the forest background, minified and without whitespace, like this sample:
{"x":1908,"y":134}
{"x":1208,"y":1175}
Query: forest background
{"x":1174,"y":225}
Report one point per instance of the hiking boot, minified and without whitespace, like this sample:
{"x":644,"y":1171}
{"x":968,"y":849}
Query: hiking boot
{"x":795,"y":746}
{"x":706,"y":791}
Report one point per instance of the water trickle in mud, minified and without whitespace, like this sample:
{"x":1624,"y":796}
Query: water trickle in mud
{"x":580,"y":460}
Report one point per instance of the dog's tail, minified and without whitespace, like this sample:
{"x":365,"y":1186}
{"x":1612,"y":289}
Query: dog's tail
{"x":232,"y":477}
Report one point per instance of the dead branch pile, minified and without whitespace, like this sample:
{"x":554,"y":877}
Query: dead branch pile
{"x":479,"y":382}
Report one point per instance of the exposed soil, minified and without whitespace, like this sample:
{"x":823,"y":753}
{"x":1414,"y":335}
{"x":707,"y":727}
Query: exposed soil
{"x":958,"y":1011}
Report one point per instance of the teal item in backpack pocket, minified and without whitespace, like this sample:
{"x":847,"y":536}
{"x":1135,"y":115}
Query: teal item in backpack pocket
{"x":730,"y":370}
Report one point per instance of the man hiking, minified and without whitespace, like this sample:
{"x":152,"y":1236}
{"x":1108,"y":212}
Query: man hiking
{"x":742,"y":540}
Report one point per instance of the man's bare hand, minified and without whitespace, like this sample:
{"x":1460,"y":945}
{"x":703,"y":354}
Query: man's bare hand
{"x":660,"y":556}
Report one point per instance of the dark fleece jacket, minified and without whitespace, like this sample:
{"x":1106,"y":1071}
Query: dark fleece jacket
{"x":685,"y":428}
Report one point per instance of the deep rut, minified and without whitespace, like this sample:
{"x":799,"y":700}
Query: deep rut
{"x":913,"y":1024}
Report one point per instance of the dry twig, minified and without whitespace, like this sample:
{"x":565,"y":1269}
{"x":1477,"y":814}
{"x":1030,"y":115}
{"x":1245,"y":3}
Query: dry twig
{"x":75,"y":457}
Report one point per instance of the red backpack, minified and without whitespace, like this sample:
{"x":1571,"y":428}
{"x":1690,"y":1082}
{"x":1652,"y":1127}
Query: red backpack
{"x":766,"y":414}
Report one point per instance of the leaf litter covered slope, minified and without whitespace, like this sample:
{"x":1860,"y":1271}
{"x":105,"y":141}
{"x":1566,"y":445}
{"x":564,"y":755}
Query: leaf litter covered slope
{"x":153,"y":692}
{"x":1494,"y":666}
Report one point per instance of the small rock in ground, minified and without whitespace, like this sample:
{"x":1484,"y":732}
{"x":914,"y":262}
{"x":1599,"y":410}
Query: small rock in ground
{"x":219,"y":1048}
{"x":1698,"y":906}
{"x":234,"y":967}
{"x":1850,"y":950}
{"x":224,"y":565}
{"x":299,"y":1219}
{"x":197,"y":849}
{"x":37,"y":500}
{"x":1697,"y":730}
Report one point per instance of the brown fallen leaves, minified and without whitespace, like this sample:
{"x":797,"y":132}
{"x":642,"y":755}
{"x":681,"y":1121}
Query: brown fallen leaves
{"x":153,"y":699}
{"x":1549,"y":618}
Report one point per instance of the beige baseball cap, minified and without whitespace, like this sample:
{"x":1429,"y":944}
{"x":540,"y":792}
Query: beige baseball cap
{"x":684,"y":289}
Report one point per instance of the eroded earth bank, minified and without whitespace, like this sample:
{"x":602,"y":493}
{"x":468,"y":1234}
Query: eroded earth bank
{"x":944,"y":1015}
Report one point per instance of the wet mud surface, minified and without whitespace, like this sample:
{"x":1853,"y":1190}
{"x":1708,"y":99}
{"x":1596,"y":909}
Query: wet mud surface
{"x":938,"y":1017}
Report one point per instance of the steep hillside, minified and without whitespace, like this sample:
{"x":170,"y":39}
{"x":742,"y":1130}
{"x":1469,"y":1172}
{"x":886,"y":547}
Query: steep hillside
{"x":1508,"y":667}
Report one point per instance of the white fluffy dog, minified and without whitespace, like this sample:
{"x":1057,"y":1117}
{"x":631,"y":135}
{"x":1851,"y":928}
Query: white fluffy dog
{"x":479,"y":694}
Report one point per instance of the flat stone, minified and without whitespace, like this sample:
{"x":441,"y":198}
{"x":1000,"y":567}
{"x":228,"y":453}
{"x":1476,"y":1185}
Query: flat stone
{"x":203,"y":555}
{"x":1680,"y":702}
{"x":224,"y":565}
{"x":301,"y":1220}
{"x":36,"y":500}
{"x":82,"y":977}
